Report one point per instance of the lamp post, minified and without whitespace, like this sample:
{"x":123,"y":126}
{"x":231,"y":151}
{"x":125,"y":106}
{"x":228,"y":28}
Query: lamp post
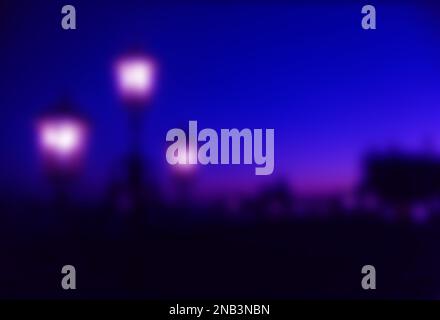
{"x":134,"y":74}
{"x":62,"y":138}
{"x":183,"y":174}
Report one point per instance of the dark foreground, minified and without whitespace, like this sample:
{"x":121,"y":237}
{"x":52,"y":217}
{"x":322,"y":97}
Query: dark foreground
{"x":221,"y":258}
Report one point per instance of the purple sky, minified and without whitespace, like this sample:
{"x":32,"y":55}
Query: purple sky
{"x":331,"y":90}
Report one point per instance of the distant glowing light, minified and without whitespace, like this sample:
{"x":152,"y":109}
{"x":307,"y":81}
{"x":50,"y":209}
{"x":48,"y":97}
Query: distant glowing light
{"x":134,"y":77}
{"x":61,"y":138}
{"x":186,"y":161}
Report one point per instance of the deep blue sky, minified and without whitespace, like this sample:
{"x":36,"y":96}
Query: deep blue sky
{"x":331,"y":90}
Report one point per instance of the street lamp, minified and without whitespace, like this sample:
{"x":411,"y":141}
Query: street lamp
{"x":62,"y":139}
{"x":185,"y":162}
{"x":134,"y":75}
{"x":183,"y":176}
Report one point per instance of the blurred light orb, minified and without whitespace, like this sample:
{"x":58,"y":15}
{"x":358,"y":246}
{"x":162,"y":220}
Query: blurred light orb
{"x":134,"y":77}
{"x":185,"y":161}
{"x":62,"y":138}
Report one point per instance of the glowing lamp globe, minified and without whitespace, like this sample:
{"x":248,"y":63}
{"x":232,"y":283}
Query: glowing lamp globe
{"x":185,"y":162}
{"x":134,"y":76}
{"x":62,"y":141}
